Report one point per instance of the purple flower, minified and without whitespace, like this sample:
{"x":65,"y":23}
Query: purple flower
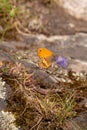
{"x":62,"y":61}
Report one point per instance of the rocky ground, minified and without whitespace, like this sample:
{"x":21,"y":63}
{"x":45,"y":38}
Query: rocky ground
{"x":52,"y":27}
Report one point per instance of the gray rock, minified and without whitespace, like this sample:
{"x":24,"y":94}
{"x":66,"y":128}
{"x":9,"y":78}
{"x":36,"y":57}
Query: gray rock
{"x":77,"y":8}
{"x":6,"y":118}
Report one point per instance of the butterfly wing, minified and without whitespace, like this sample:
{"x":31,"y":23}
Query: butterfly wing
{"x":44,"y":53}
{"x":46,"y":57}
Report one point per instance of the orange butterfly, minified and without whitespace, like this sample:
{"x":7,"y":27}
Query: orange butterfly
{"x":46,"y":57}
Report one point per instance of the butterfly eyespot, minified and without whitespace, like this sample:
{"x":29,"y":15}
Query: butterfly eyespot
{"x":39,"y":50}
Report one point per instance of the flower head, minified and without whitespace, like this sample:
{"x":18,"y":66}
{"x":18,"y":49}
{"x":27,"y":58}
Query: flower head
{"x":62,"y":61}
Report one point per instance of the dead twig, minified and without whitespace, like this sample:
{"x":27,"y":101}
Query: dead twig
{"x":18,"y":25}
{"x":37,"y":123}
